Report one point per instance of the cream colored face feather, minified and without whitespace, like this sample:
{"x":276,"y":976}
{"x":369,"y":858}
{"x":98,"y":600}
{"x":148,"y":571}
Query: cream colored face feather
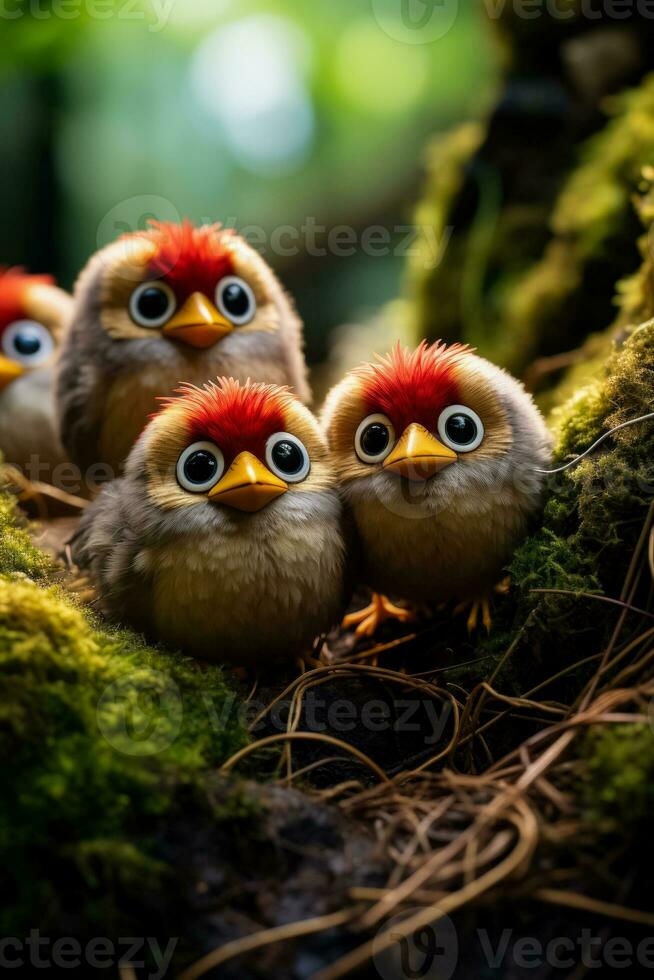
{"x":153,"y":310}
{"x":30,"y":333}
{"x":128,"y":263}
{"x":450,"y":529}
{"x":168,"y":436}
{"x":189,"y":561}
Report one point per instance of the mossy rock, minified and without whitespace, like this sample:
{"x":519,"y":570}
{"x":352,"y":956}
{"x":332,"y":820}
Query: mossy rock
{"x":619,"y":790}
{"x":592,"y":520}
{"x":17,"y":553}
{"x":569,"y":293}
{"x":100,"y":737}
{"x":539,"y":221}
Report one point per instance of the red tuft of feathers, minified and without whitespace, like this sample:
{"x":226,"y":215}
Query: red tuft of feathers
{"x":414,"y":386}
{"x":14,"y":288}
{"x":237,"y":418}
{"x":191,"y":259}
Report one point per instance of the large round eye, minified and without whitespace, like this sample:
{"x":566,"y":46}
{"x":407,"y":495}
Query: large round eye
{"x":235,"y":300}
{"x":287,"y":457}
{"x":460,"y":428}
{"x":28,"y":342}
{"x":200,"y":467}
{"x":152,"y":304}
{"x":374,"y":439}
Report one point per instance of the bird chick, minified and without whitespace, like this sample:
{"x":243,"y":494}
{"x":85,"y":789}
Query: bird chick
{"x":171,"y":302}
{"x":437,"y":452}
{"x":223,"y":538}
{"x":31,"y":309}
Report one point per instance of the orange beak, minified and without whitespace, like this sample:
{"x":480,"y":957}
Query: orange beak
{"x":198,"y":323}
{"x":9,"y":371}
{"x":419,"y":455}
{"x":247,"y":485}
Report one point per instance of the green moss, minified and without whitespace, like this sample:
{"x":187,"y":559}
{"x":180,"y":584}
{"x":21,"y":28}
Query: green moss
{"x":491,"y":236}
{"x":592,"y":519}
{"x":596,"y":201}
{"x":442,"y":284}
{"x":619,"y":790}
{"x":17,"y":553}
{"x":636,"y":292}
{"x":566,"y":295}
{"x":523,"y":278}
{"x":585,"y":370}
{"x":100,"y":735}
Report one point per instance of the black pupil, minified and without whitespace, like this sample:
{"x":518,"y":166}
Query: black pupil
{"x":375,"y":439}
{"x":200,"y":467}
{"x":236,"y":300}
{"x":27,"y":344}
{"x":287,"y":457}
{"x":461,"y":429}
{"x":153,"y":303}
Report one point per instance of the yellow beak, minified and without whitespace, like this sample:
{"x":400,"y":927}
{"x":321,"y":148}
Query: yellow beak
{"x":247,"y":485}
{"x":419,"y":455}
{"x":9,"y":371}
{"x":198,"y":323}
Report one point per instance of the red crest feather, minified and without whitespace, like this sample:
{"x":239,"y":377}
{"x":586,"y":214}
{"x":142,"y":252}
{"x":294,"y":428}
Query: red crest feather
{"x":14,"y":285}
{"x":190,"y":259}
{"x":235,"y":417}
{"x":413,"y":386}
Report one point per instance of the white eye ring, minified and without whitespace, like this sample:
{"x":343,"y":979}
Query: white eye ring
{"x":143,"y":321}
{"x":381,"y":456}
{"x":185,"y":482}
{"x":459,"y":447}
{"x":35,"y":331}
{"x":243,"y":318}
{"x":298,"y":475}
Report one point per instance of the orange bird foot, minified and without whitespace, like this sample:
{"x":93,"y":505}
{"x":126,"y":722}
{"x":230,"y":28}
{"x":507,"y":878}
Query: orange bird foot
{"x":368,"y":620}
{"x":477,"y":606}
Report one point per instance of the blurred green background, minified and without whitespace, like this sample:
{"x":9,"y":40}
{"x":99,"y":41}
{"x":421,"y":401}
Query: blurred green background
{"x":260,"y":113}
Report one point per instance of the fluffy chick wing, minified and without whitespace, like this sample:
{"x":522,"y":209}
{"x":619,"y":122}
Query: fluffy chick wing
{"x":107,"y":547}
{"x":78,"y":409}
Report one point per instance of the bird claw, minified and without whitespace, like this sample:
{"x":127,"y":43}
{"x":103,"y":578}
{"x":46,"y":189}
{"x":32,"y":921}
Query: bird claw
{"x":476,"y":606}
{"x":369,"y":619}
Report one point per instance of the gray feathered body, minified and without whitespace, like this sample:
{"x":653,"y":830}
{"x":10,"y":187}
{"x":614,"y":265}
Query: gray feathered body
{"x":110,"y":380}
{"x":218,"y":584}
{"x":29,"y":438}
{"x":450,"y":536}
